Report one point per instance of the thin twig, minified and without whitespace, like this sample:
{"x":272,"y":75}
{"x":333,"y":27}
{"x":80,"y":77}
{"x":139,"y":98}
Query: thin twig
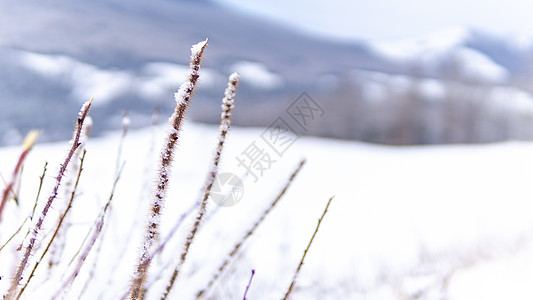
{"x":41,"y":180}
{"x":248,"y":286}
{"x":53,"y":195}
{"x":14,"y":234}
{"x":92,"y":241}
{"x":27,"y":145}
{"x":225,"y":123}
{"x":183,"y":97}
{"x":289,"y":291}
{"x":248,"y":234}
{"x":118,"y":169}
{"x":61,"y":219}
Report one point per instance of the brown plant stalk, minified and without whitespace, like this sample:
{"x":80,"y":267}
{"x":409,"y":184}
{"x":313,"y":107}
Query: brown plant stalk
{"x":293,"y":282}
{"x":225,"y":123}
{"x":248,"y":234}
{"x":60,"y":222}
{"x":27,"y":145}
{"x":182,"y":97}
{"x":53,"y":195}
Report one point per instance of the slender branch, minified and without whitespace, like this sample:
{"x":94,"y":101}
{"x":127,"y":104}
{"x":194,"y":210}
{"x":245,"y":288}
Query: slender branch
{"x":248,"y":286}
{"x":27,"y":145}
{"x":225,"y":123}
{"x":41,"y":180}
{"x":53,"y":195}
{"x":248,"y":234}
{"x":14,"y":234}
{"x":293,"y":282}
{"x":94,"y":237}
{"x":183,"y":97}
{"x":61,"y":219}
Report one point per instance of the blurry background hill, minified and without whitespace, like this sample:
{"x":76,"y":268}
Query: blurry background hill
{"x":455,"y":86}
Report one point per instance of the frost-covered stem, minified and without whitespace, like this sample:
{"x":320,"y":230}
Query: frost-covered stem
{"x":53,"y":195}
{"x":249,"y":284}
{"x":125,"y":127}
{"x":83,"y":255}
{"x":289,"y":291}
{"x":96,"y":234}
{"x":225,"y":122}
{"x":58,"y":226}
{"x":118,"y":169}
{"x":41,"y":180}
{"x":182,"y":97}
{"x":169,"y":236}
{"x":249,"y":233}
{"x":70,"y":186}
{"x":29,"y":141}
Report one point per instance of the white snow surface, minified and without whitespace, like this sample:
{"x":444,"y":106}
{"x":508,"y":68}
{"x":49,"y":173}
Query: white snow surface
{"x":404,"y":220}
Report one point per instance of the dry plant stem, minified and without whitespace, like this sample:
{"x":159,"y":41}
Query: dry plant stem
{"x":248,"y":234}
{"x":94,"y":237}
{"x":83,"y":255}
{"x":14,"y":234}
{"x":169,"y":236}
{"x":182,"y":97}
{"x":119,"y":165}
{"x":144,"y":195}
{"x":41,"y":180}
{"x":61,"y":219}
{"x":53,"y":195}
{"x":225,"y":123}
{"x":30,"y":140}
{"x":293,"y":282}
{"x":56,"y":252}
{"x":248,"y":286}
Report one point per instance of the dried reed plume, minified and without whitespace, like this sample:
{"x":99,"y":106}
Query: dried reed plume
{"x":293,"y":282}
{"x":248,"y":234}
{"x":225,"y":123}
{"x":182,"y":97}
{"x":53,"y":195}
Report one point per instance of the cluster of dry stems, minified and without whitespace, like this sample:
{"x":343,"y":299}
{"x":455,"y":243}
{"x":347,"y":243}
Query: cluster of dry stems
{"x":73,"y":162}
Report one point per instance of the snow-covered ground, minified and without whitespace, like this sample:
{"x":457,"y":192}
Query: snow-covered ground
{"x":447,"y":221}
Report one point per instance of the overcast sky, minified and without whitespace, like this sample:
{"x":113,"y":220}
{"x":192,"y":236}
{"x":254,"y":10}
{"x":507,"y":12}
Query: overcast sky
{"x":394,"y":19}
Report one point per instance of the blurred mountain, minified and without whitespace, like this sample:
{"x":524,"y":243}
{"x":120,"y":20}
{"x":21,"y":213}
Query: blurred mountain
{"x":118,"y":37}
{"x":465,"y":54}
{"x":132,"y":54}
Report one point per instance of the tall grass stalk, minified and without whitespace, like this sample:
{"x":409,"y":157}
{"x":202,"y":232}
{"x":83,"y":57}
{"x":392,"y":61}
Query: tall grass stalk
{"x":99,"y":224}
{"x":182,"y":97}
{"x":225,"y":123}
{"x":295,"y":276}
{"x":27,"y":145}
{"x":12,"y":292}
{"x":56,"y":252}
{"x":58,"y":226}
{"x":248,"y":234}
